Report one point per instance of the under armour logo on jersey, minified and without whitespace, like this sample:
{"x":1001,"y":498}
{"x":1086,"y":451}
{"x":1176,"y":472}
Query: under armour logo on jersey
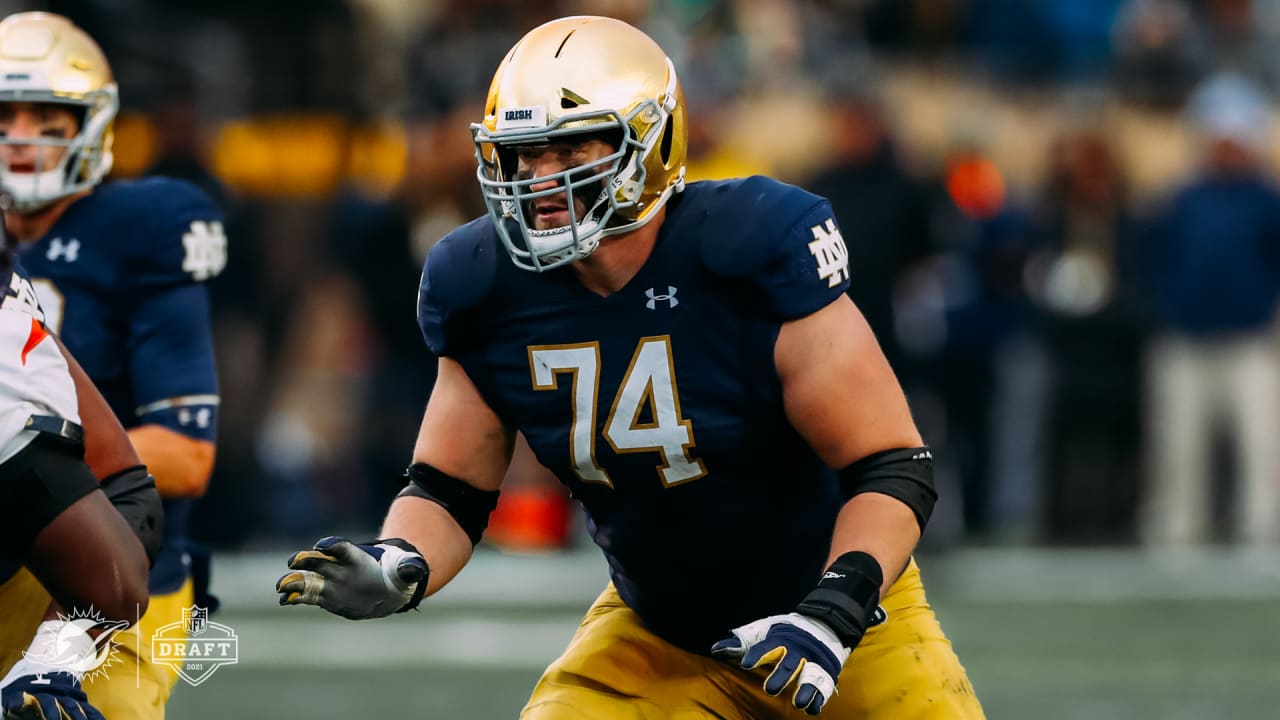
{"x":670,"y":297}
{"x":69,"y":250}
{"x":206,"y":247}
{"x":832,"y":255}
{"x":200,"y":418}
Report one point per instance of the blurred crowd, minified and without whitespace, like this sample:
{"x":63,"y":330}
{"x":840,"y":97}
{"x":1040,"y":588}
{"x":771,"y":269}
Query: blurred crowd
{"x":1061,"y":222}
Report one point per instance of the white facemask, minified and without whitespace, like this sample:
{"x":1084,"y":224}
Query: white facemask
{"x":31,"y":191}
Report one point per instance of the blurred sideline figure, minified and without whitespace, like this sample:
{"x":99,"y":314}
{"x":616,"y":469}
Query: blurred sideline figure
{"x":119,"y":269}
{"x":1082,"y":279}
{"x":1212,"y":275}
{"x":686,"y":360}
{"x":58,"y":520}
{"x":886,"y":212}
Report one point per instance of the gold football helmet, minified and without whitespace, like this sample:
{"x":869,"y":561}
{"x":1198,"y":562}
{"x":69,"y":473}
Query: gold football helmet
{"x":44,"y":58}
{"x":575,"y":76}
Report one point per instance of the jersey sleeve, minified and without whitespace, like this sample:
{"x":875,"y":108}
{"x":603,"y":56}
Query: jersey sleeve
{"x":783,"y":242}
{"x":457,"y":276}
{"x":811,"y":268}
{"x":183,"y":239}
{"x":171,"y":361}
{"x":180,"y":244}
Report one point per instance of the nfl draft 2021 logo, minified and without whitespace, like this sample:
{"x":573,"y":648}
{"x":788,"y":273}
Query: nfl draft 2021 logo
{"x":195,"y":647}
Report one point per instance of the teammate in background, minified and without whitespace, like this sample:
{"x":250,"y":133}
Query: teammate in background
{"x":118,"y":269}
{"x":686,"y":360}
{"x":58,"y":521}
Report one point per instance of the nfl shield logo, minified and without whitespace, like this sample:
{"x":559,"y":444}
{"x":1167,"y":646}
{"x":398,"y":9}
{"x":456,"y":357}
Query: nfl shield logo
{"x":194,"y":647}
{"x":195,"y":620}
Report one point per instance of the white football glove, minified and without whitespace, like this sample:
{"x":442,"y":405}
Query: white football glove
{"x":356,"y":581}
{"x":802,"y":650}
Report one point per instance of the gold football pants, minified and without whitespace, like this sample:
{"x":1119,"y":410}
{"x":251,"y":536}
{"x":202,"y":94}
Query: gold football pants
{"x":615,"y":669}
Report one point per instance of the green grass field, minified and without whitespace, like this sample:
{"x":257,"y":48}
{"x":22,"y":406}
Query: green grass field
{"x":1048,"y":636}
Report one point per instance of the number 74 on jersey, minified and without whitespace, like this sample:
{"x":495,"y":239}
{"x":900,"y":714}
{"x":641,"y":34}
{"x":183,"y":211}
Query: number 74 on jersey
{"x":649,"y":384}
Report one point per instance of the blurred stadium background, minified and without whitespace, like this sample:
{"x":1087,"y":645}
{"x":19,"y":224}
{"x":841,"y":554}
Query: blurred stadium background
{"x":1000,"y":169}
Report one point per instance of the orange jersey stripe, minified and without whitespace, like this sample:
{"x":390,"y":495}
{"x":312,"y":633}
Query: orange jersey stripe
{"x":38,"y":333}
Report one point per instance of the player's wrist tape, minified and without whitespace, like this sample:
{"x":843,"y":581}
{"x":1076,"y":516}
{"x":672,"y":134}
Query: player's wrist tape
{"x":421,"y":589}
{"x":133,"y":493}
{"x":905,"y":474}
{"x":468,"y":505}
{"x":847,"y":596}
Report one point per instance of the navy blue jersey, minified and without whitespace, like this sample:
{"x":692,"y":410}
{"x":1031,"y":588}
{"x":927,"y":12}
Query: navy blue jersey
{"x":660,"y":405}
{"x":120,"y":277}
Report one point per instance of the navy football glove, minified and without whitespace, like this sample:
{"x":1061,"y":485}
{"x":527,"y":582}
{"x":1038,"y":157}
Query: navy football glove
{"x":48,"y":696}
{"x":356,"y":581}
{"x":807,"y":648}
{"x":801,"y":649}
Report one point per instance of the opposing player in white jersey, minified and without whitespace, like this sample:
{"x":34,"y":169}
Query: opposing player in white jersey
{"x":57,"y":518}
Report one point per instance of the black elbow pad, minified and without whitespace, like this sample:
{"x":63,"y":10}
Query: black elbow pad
{"x":468,"y":505}
{"x":133,"y":493}
{"x":905,"y":474}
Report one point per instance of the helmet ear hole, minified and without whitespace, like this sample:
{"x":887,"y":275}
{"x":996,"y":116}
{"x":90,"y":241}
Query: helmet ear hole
{"x":664,"y":148}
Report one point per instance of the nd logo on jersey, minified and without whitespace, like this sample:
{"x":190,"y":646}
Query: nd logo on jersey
{"x":206,"y":247}
{"x":829,"y":250}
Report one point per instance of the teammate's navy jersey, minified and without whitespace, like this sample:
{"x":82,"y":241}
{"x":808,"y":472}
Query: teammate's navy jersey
{"x":660,"y":405}
{"x":119,"y":276}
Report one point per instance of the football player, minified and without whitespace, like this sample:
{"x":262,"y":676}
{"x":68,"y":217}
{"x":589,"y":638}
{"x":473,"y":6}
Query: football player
{"x":119,"y":271}
{"x":58,"y":519}
{"x":686,"y":359}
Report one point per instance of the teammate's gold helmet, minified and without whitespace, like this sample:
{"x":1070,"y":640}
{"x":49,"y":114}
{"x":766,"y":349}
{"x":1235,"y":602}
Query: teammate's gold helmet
{"x":45,"y":58}
{"x":572,"y":76}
